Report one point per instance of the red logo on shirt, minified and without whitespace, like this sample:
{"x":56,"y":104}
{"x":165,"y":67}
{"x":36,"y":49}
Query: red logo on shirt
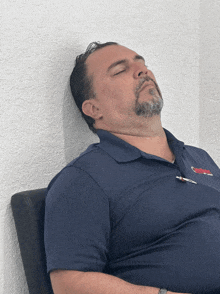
{"x":201,"y":171}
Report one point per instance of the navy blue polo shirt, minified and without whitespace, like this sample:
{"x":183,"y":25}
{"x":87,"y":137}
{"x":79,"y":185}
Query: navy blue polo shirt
{"x":121,"y":211}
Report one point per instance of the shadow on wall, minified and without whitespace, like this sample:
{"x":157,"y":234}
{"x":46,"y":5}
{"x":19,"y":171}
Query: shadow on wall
{"x":77,"y":135}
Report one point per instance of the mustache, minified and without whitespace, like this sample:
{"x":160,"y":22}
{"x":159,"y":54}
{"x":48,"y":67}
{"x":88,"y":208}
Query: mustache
{"x":147,"y":79}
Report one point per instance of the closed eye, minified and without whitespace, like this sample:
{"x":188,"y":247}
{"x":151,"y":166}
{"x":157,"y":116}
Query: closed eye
{"x":120,"y":72}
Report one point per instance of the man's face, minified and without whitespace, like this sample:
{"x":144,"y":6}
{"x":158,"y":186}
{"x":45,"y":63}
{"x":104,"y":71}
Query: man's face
{"x":126,"y":91}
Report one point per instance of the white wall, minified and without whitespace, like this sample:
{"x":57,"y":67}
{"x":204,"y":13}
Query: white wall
{"x":209,"y":70}
{"x":41,"y":129}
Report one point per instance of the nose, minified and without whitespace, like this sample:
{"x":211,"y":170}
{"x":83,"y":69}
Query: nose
{"x":141,"y":71}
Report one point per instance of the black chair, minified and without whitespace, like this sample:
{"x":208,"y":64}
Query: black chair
{"x":28,"y":211}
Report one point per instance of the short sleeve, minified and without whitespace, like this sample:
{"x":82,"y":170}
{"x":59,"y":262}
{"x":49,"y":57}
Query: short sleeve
{"x":77,"y":225}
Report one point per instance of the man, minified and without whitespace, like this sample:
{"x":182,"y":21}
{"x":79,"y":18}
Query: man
{"x":139,"y":211}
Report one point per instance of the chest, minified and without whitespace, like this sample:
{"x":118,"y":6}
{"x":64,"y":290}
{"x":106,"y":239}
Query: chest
{"x":149,"y":211}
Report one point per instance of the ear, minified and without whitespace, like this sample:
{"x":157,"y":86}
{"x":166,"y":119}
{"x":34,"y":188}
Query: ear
{"x":90,"y":108}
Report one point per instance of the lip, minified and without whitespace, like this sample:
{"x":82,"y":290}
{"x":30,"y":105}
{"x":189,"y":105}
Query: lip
{"x":146,"y":84}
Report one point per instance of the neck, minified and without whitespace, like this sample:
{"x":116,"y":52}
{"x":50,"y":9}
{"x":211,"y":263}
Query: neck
{"x":151,"y":139}
{"x":140,"y":131}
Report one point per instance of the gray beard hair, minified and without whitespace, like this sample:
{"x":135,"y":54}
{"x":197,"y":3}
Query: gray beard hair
{"x":151,"y":108}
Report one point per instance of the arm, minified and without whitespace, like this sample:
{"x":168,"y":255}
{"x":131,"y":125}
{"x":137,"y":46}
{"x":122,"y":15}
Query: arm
{"x":77,"y":282}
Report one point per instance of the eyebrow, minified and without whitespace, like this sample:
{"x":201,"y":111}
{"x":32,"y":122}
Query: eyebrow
{"x":137,"y":57}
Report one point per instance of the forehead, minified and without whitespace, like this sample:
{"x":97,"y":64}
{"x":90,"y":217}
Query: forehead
{"x":99,"y":61}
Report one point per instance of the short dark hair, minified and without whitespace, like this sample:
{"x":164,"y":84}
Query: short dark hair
{"x":81,"y":84}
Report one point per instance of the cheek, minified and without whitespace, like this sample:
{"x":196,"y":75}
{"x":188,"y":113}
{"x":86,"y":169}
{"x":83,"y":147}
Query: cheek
{"x":118,"y":90}
{"x":116,"y":97}
{"x":108,"y":92}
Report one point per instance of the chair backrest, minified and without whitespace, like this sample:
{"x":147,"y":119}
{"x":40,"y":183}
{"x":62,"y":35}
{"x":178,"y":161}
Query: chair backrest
{"x":28,"y":209}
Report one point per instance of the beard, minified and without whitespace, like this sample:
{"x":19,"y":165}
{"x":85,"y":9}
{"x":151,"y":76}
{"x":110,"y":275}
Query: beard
{"x":152,"y":107}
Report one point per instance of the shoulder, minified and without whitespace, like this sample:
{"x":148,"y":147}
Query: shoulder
{"x":75,"y":167}
{"x":197,"y":152}
{"x":78,"y":175}
{"x":200,"y":155}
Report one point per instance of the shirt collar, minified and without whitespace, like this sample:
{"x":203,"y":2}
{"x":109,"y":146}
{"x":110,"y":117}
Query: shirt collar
{"x":122,"y":151}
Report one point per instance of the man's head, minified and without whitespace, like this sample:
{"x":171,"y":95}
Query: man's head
{"x":115,"y":91}
{"x":81,"y":84}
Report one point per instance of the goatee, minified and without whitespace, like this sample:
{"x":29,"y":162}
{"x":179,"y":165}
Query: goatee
{"x":149,"y":108}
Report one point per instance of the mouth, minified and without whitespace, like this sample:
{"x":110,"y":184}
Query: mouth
{"x":146,"y":84}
